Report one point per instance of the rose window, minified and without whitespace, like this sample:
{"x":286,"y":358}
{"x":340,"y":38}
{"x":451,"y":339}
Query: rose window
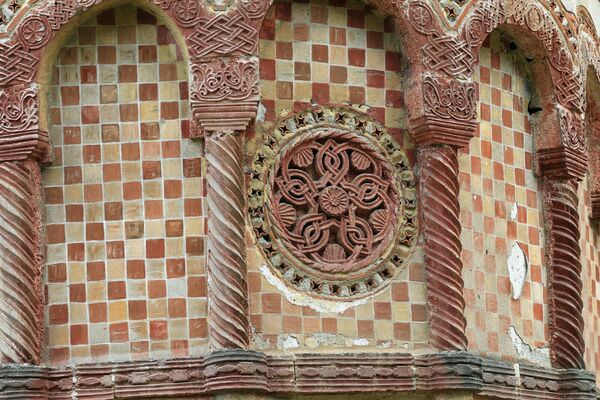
{"x":332,"y":203}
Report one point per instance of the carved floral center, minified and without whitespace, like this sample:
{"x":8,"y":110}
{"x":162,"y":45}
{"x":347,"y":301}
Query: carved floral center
{"x":334,"y":201}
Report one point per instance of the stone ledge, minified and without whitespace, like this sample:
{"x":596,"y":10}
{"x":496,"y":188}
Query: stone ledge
{"x":240,"y":370}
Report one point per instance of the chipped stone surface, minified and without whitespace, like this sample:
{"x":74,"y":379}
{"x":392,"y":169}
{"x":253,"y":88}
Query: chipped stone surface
{"x":537,"y":355}
{"x":302,"y":299}
{"x":517,"y":270}
{"x":513,"y":212}
{"x":286,"y":342}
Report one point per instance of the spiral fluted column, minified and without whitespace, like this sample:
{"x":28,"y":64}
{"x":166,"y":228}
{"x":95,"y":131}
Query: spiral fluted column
{"x":439,"y":189}
{"x":566,"y":321}
{"x":21,"y":299}
{"x":226,"y":264}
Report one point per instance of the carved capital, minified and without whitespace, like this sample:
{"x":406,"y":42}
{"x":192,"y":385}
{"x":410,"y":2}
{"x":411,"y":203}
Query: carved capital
{"x":225,"y":93}
{"x":449,"y":112}
{"x":572,"y":131}
{"x":20,"y":136}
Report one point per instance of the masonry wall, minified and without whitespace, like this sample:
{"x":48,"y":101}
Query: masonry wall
{"x":124,"y":198}
{"x":501,"y":207}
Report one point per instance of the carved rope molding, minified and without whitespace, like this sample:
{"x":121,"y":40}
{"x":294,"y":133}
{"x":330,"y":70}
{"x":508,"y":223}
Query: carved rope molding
{"x":565,"y":285}
{"x":227,"y":285}
{"x":224,"y":98}
{"x":439,"y":189}
{"x":448,"y":122}
{"x":21,"y":262}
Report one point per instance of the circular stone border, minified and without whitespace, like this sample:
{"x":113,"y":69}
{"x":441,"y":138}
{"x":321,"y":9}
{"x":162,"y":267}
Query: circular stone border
{"x":280,"y":259}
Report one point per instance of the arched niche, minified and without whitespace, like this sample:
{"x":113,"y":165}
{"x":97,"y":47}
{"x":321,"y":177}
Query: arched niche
{"x":502,"y":205}
{"x":124,"y":193}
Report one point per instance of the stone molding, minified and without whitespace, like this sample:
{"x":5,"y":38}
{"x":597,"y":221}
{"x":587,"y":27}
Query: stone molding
{"x":245,"y":370}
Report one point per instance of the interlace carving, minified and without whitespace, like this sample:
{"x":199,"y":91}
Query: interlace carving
{"x":333,"y":203}
{"x":442,"y":52}
{"x":16,"y":64}
{"x":223,"y":35}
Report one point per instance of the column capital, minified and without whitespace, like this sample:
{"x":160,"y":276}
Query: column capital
{"x":225,"y":93}
{"x":447,"y":111}
{"x":20,"y":134}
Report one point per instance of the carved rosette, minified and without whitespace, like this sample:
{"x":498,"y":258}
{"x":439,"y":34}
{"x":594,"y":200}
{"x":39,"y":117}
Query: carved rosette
{"x":566,"y":321}
{"x":333,"y":203}
{"x":439,"y":189}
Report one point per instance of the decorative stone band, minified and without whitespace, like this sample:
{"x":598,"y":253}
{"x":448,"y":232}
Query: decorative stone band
{"x":301,"y":373}
{"x":224,"y":93}
{"x":439,"y":189}
{"x":226,"y":263}
{"x":563,"y":254}
{"x":21,"y":288}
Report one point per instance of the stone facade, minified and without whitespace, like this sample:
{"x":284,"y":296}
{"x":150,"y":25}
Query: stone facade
{"x":299,"y":197}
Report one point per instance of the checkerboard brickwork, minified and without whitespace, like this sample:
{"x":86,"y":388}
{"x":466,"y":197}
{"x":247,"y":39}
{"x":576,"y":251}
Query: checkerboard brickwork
{"x":496,"y":174}
{"x":591,"y":280}
{"x":124,"y":198}
{"x":336,"y":52}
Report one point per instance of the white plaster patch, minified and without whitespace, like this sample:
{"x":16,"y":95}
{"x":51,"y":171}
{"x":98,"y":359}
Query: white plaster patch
{"x":361,"y":342}
{"x":287,"y":342}
{"x":517,"y":369}
{"x":537,"y":355}
{"x":260,"y":113}
{"x":514,"y":211}
{"x":302,"y":299}
{"x":517,"y":269}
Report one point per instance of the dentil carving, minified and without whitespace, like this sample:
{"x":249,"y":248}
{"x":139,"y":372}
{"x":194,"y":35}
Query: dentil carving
{"x":333,"y":202}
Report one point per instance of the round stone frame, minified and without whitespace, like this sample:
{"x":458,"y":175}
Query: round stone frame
{"x":279,"y":258}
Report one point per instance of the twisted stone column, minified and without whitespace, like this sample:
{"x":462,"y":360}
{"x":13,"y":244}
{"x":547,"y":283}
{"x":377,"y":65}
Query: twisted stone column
{"x":567,"y":345}
{"x":226,"y":264}
{"x":440,"y":209}
{"x":21,"y":260}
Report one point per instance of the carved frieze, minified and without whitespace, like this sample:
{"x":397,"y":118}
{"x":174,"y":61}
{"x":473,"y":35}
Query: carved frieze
{"x":333,"y":203}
